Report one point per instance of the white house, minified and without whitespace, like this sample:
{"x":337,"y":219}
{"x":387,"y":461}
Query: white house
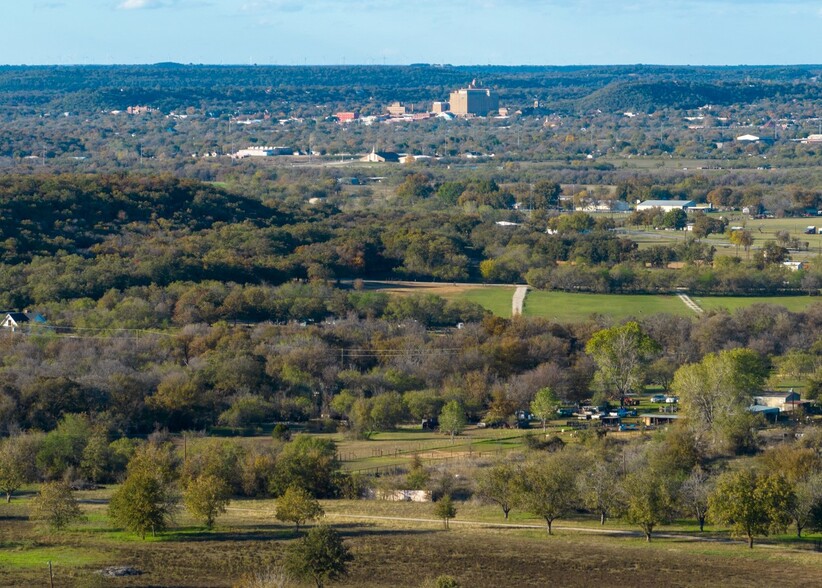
{"x":18,"y":320}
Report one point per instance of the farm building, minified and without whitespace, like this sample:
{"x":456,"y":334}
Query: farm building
{"x":661,"y":418}
{"x":783,"y":401}
{"x":666,"y":205}
{"x":381,"y":157}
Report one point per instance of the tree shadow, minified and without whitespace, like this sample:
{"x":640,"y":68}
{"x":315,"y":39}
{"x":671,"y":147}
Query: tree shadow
{"x":278,"y":533}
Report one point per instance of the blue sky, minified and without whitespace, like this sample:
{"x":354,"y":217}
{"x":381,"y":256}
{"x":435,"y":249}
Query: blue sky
{"x":724,"y":32}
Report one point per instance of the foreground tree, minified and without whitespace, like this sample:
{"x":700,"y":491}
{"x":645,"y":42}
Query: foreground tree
{"x":549,"y":487}
{"x":206,"y":497}
{"x":298,"y":506}
{"x":55,"y":506}
{"x":751,"y":503}
{"x":807,"y":507}
{"x":599,"y":488}
{"x":648,"y":500}
{"x":445,"y":509}
{"x":320,"y":556}
{"x":500,"y":484}
{"x":694,"y":494}
{"x":143,"y":503}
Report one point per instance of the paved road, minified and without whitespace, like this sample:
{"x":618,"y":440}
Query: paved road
{"x":519,"y":300}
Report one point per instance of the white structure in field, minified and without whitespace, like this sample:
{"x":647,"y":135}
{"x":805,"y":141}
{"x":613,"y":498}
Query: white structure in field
{"x":666,"y":205}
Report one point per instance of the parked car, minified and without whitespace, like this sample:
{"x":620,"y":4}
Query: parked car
{"x":632,"y":402}
{"x":657,"y":398}
{"x":671,"y":399}
{"x":565,"y":412}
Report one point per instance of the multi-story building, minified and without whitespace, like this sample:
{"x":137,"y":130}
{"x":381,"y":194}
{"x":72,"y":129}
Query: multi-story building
{"x":474,"y":101}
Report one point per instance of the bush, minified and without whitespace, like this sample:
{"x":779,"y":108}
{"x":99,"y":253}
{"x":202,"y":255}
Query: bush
{"x":541,"y":443}
{"x":281,"y":432}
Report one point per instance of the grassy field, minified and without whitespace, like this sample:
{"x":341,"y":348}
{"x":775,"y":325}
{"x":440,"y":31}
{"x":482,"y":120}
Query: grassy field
{"x":386,"y":451}
{"x":497,"y":299}
{"x":397,"y":552}
{"x":732,"y":303}
{"x":567,"y":307}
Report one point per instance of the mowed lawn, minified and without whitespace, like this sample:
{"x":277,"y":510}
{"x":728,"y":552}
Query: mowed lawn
{"x":565,"y":307}
{"x":732,"y":303}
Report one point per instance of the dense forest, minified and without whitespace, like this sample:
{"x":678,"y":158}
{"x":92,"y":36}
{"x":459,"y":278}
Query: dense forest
{"x":77,"y":237}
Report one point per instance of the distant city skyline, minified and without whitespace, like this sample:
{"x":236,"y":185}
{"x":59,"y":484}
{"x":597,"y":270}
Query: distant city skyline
{"x":460,"y":32}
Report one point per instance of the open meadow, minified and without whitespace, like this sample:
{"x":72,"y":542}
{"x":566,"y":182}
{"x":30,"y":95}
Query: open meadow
{"x":394,"y":544}
{"x":565,"y":307}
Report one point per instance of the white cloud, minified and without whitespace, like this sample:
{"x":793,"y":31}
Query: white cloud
{"x":138,"y":4}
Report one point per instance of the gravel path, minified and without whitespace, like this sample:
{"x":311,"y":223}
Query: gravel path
{"x":519,"y":300}
{"x":690,"y":303}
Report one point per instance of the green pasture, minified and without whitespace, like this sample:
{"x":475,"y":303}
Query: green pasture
{"x":732,"y":303}
{"x":497,"y":299}
{"x":35,"y":556}
{"x":565,"y":307}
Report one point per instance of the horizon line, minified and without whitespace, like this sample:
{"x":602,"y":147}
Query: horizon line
{"x":410,"y":64}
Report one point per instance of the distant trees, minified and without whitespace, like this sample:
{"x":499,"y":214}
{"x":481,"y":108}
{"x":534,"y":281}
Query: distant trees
{"x":545,"y":194}
{"x":545,"y":404}
{"x":715,"y":394}
{"x":621,"y":354}
{"x":452,"y":419}
{"x":309,"y":463}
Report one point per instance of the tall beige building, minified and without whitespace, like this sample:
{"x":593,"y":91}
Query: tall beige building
{"x":474,"y":101}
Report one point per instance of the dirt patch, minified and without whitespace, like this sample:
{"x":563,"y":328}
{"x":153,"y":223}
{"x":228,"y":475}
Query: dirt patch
{"x":439,"y":288}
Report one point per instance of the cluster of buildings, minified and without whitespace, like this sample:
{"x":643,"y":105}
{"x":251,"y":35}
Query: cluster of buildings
{"x":263,"y":151}
{"x":468,"y":102}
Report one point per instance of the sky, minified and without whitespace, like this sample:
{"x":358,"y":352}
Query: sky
{"x":471,"y":32}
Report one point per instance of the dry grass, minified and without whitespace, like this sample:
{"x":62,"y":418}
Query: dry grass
{"x":388,"y":553}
